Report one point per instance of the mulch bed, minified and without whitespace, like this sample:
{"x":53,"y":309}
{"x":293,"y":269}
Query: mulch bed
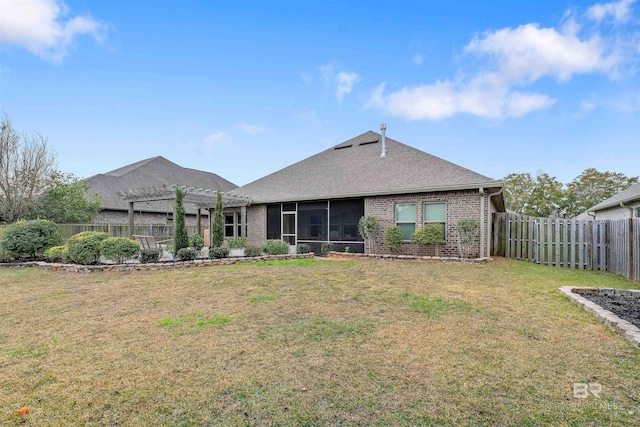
{"x":625,"y":307}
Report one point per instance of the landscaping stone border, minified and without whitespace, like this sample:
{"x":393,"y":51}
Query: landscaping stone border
{"x":77,"y":268}
{"x":627,"y":329}
{"x":334,"y":254}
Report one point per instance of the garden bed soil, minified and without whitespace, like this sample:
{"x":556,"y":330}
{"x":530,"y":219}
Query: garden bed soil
{"x":625,"y":307}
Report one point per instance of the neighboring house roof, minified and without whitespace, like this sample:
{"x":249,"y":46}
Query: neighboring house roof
{"x":152,"y":172}
{"x":354,"y":168}
{"x":631,"y":194}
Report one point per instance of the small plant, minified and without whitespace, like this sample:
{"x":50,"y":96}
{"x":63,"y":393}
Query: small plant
{"x":187,"y":254}
{"x":218,"y":253}
{"x":429,"y":234}
{"x":303,"y":248}
{"x":467,"y":231}
{"x":84,"y":248}
{"x":393,"y":238}
{"x":54,"y":253}
{"x":197,"y":242}
{"x":325,"y":248}
{"x":275,"y":247}
{"x":252,"y":251}
{"x":150,"y":256}
{"x":347,"y":249}
{"x":237,"y":243}
{"x":119,"y":249}
{"x":368,"y":227}
{"x":28,"y":238}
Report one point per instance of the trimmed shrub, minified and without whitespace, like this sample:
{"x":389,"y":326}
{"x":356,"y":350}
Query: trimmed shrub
{"x":187,"y":254}
{"x":180,"y":236}
{"x":28,"y":238}
{"x":429,"y":234}
{"x":368,"y":227}
{"x":393,"y":237}
{"x":65,"y":255}
{"x":150,"y":256}
{"x":325,"y":248}
{"x":217,"y":253}
{"x":237,"y":243}
{"x":84,"y":248}
{"x":251,"y":251}
{"x":119,"y":249}
{"x":217,"y":230}
{"x":197,"y":242}
{"x":275,"y":247}
{"x":54,"y":253}
{"x":303,"y":248}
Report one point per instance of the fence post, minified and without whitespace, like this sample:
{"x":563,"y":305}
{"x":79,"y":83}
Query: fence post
{"x":631,"y":254}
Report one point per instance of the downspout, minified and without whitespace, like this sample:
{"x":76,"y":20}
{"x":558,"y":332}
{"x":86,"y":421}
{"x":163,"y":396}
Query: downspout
{"x":592,"y":215}
{"x":481,"y":222}
{"x":491,"y":222}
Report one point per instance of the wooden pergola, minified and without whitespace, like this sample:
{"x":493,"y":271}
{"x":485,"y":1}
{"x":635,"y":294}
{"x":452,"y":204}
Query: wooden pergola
{"x":200,"y":197}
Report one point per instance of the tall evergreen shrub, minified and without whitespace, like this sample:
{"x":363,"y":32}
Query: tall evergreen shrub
{"x":180,"y":236}
{"x":217,"y":232}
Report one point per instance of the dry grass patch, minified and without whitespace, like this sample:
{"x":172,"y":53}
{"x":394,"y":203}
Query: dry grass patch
{"x":311,"y":342}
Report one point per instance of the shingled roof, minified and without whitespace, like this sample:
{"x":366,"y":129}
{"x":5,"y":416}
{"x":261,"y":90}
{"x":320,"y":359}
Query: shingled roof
{"x":631,"y":194}
{"x":153,"y":172}
{"x":354,"y":168}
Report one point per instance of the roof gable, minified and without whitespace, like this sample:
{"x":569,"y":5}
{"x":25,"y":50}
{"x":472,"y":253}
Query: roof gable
{"x":152,"y":172}
{"x":355,"y":168}
{"x":630,"y":194}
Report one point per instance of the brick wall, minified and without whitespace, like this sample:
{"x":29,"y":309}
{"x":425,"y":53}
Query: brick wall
{"x":460,"y":204}
{"x":256,"y":225}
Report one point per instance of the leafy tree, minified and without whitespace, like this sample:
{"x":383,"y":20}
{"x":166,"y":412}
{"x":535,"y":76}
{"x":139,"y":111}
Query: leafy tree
{"x":368,"y":227}
{"x":67,"y":202}
{"x":539,"y":196}
{"x":467,"y":230}
{"x":217,"y":232}
{"x":592,"y":187}
{"x":180,"y":236}
{"x":26,"y":166}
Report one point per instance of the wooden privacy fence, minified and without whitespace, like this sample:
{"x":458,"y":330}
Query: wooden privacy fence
{"x":611,"y":245}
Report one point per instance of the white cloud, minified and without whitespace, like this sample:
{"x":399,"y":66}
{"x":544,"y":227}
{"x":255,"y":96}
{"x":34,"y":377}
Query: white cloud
{"x":417,"y":59}
{"x":509,"y":60}
{"x":39,"y":26}
{"x":527,"y":53}
{"x":620,"y":11}
{"x":345,"y":82}
{"x":342,"y":80}
{"x":586,"y":107}
{"x":250,"y":129}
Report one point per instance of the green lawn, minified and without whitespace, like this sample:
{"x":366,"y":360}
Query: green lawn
{"x":311,"y":342}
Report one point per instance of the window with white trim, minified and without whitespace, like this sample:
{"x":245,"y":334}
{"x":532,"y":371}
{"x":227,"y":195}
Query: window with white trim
{"x":436,"y":213}
{"x":406,"y":219}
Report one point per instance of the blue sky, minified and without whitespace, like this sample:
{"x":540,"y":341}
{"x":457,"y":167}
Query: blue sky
{"x":243,"y":89}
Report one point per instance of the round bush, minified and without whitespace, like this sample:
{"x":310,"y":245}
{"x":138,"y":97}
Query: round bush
{"x":28,"y":238}
{"x":275,"y":247}
{"x":303,"y":248}
{"x":119,"y":249}
{"x":252,"y":251}
{"x":325,"y":248}
{"x":197,"y":242}
{"x":84,"y":248}
{"x":54,"y":253}
{"x":393,"y":237}
{"x":150,"y":255}
{"x":187,"y":254}
{"x":217,"y":253}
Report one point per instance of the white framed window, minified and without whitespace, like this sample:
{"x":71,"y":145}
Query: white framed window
{"x":406,"y":219}
{"x":436,"y":213}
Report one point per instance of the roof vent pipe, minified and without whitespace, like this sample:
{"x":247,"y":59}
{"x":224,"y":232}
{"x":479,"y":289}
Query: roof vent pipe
{"x":383,"y":128}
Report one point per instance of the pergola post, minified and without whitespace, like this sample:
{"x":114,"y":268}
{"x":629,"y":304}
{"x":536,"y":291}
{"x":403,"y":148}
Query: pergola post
{"x":243,"y":221}
{"x":198,"y":225}
{"x":131,"y":220}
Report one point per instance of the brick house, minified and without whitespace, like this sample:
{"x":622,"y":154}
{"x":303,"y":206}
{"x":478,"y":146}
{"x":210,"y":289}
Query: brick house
{"x":322,"y":198}
{"x":623,"y":205}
